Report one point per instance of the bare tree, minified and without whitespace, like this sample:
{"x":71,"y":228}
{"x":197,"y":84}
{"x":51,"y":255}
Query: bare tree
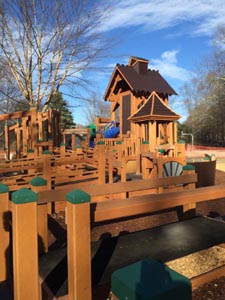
{"x":204,"y":95}
{"x":47,"y":44}
{"x":10,"y":95}
{"x":96,"y":107}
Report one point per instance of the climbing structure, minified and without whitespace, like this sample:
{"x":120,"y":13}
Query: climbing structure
{"x":33,"y":131}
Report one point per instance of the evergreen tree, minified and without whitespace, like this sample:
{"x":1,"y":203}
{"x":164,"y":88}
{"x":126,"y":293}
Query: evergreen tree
{"x":58,"y":103}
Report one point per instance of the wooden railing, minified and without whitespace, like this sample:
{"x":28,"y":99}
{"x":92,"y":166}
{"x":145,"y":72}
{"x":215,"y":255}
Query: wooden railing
{"x":29,"y":216}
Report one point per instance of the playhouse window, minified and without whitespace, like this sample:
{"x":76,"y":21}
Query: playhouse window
{"x":146,"y":131}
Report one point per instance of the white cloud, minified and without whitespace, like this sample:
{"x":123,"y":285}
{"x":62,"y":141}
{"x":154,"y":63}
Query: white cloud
{"x":168,"y":67}
{"x":152,"y":15}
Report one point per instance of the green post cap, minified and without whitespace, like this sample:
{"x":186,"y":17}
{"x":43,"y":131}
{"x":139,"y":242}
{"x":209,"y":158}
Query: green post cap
{"x":46,"y":152}
{"x":181,"y":142}
{"x":38,"y":181}
{"x":161,"y":151}
{"x":101,"y":143}
{"x":206,"y":158}
{"x":145,"y":142}
{"x":189,"y":167}
{"x":24,"y":195}
{"x":3,"y":188}
{"x":118,"y":142}
{"x":30,"y":151}
{"x":78,"y":197}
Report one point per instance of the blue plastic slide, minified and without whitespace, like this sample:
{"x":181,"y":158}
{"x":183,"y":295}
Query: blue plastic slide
{"x":112,"y":132}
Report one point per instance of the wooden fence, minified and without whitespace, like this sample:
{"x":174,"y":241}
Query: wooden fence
{"x":30,"y":207}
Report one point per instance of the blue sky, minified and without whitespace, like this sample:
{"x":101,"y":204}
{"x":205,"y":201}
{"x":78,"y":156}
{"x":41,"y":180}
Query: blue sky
{"x":174,"y":35}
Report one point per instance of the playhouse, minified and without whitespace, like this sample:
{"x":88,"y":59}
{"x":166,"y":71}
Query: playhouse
{"x":139,"y":100}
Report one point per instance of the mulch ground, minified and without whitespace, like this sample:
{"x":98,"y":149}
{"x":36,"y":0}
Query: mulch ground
{"x":214,"y":290}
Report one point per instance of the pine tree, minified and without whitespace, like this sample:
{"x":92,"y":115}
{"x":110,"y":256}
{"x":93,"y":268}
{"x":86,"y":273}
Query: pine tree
{"x":58,"y":103}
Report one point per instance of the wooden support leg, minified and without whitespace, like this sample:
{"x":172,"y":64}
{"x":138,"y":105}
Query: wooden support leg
{"x":189,"y":210}
{"x":79,"y":246}
{"x":40,"y":184}
{"x":25,"y":246}
{"x":4,"y":233}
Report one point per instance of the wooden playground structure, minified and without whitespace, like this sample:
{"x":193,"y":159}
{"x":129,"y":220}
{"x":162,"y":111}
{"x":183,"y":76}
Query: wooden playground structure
{"x":45,"y":177}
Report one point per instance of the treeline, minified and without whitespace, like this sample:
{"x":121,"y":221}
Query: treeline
{"x":204,"y":96}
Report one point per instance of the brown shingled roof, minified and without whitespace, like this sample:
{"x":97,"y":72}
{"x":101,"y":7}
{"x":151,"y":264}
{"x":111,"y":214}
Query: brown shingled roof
{"x":154,"y":109}
{"x":149,"y":82}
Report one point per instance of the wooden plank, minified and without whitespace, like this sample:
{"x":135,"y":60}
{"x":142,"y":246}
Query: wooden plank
{"x":109,"y":210}
{"x":206,"y":277}
{"x":120,"y":187}
{"x":15,"y":115}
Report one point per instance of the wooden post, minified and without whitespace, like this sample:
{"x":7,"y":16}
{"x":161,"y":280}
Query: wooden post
{"x":40,"y":184}
{"x":119,"y":148}
{"x":25,"y":135}
{"x":110,"y":165}
{"x":25,"y":246}
{"x":73,"y":141}
{"x":189,"y":210}
{"x":4,"y":233}
{"x":138,"y":155}
{"x":18,"y":141}
{"x":62,"y":149}
{"x":78,"y":245}
{"x":101,"y":162}
{"x":47,"y":174}
{"x":33,"y":130}
{"x":30,"y":154}
{"x":47,"y":167}
{"x":7,"y":142}
{"x":152,"y":139}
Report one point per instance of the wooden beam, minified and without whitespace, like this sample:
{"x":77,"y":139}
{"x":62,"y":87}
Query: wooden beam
{"x":15,"y":115}
{"x":113,"y":188}
{"x":109,"y":210}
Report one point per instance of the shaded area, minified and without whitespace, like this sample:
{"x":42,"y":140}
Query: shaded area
{"x":59,"y":233}
{"x":164,"y":243}
{"x":55,"y":279}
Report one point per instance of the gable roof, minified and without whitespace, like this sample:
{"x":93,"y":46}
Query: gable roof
{"x":154,"y":109}
{"x":148,"y":81}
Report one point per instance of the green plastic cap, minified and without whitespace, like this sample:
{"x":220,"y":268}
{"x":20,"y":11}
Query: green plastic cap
{"x":101,"y":143}
{"x":30,"y":151}
{"x":46,"y":152}
{"x":189,"y":167}
{"x":62,"y":144}
{"x":3,"y":188}
{"x":38,"y":181}
{"x":24,"y":195}
{"x":181,"y":142}
{"x":118,"y":142}
{"x":145,"y":142}
{"x":161,"y":151}
{"x":206,"y":158}
{"x":78,"y":197}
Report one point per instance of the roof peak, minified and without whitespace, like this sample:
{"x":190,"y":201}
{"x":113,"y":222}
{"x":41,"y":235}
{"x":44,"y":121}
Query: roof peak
{"x":134,"y":60}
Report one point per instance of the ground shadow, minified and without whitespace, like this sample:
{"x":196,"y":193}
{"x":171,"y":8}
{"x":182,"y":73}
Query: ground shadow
{"x":59,"y":233}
